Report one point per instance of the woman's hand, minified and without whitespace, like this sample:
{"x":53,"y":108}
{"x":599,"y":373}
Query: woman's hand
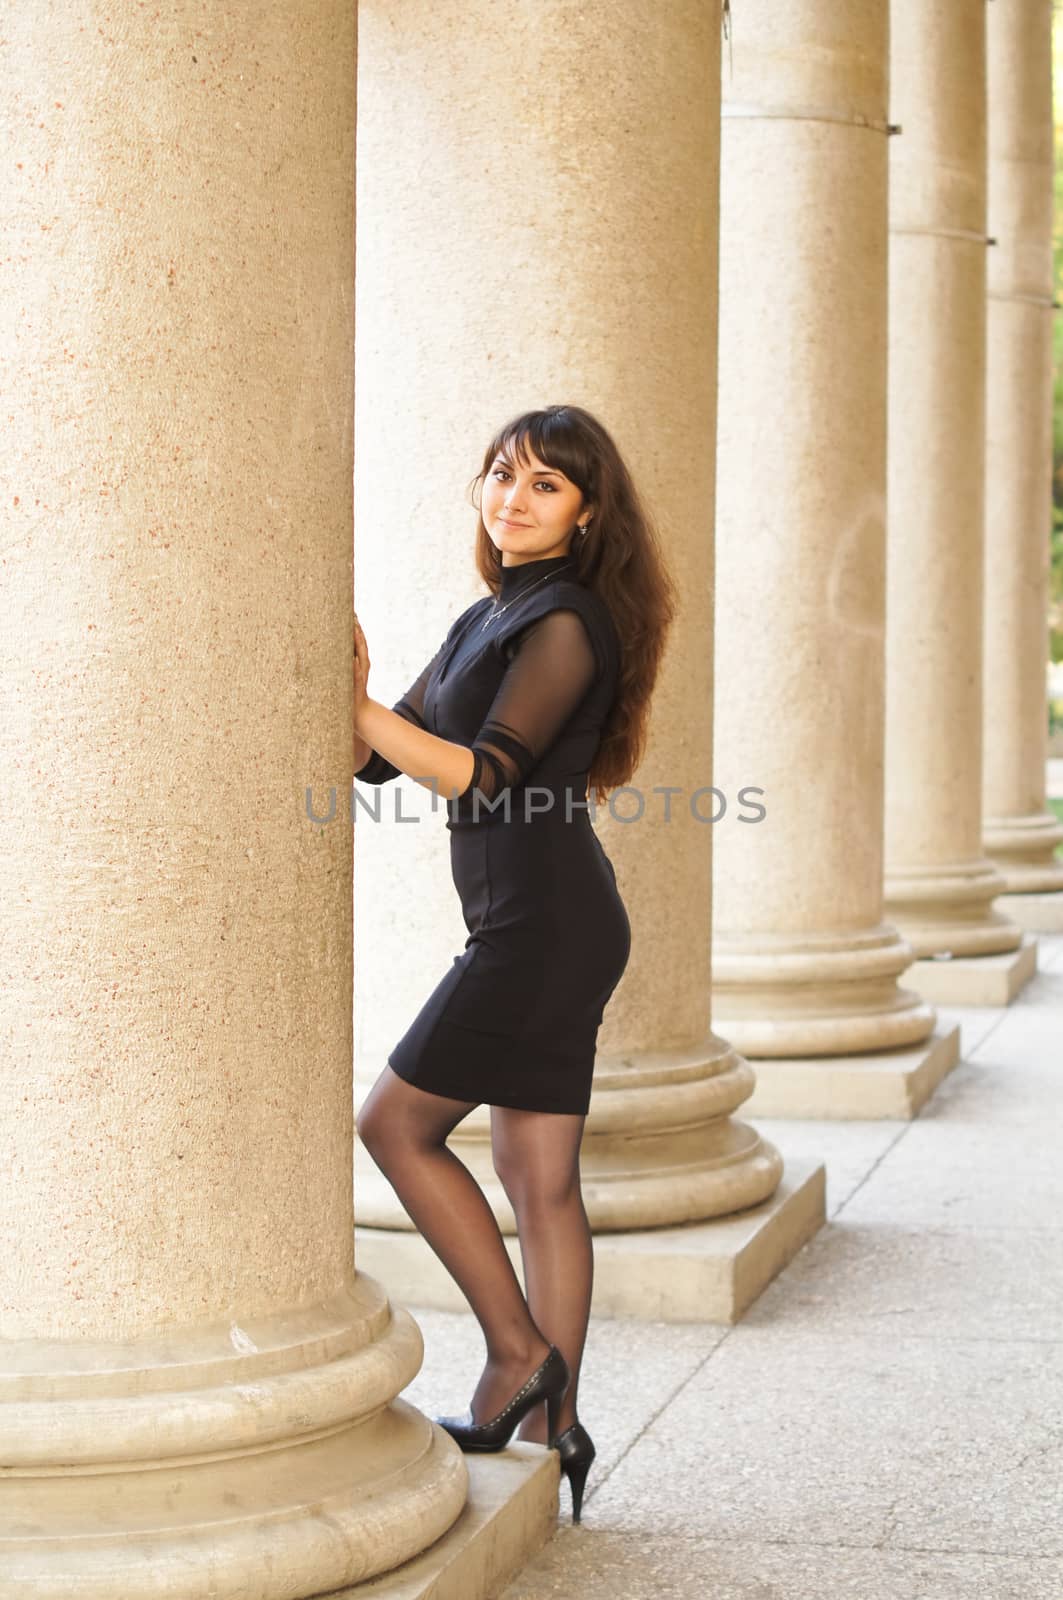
{"x":361,"y":668}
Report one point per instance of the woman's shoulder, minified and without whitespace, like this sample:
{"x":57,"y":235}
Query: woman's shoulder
{"x":566,"y":594}
{"x":477,"y":608}
{"x":589,"y":603}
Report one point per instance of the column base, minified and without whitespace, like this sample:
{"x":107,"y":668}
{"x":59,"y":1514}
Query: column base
{"x":1023,"y":850}
{"x":975,"y":980}
{"x":813,"y":994}
{"x":1035,"y":913}
{"x":950,"y":910}
{"x":698,"y":1272}
{"x":265,"y":1456}
{"x":510,"y":1514}
{"x":880,"y":1083}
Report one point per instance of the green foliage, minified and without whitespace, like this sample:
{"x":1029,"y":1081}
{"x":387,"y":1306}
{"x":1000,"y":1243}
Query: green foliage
{"x":1057,"y":807}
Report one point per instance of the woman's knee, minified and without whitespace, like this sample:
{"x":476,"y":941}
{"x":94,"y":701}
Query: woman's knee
{"x":371,"y":1126}
{"x":380,"y":1119}
{"x":536,"y":1158}
{"x":505,"y":1169}
{"x":531,"y":1188}
{"x":394,"y":1118}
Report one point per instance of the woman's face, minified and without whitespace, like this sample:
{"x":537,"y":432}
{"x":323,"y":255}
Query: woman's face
{"x":529,"y":511}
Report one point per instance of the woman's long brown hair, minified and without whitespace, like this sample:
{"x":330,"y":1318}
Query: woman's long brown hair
{"x":619,"y":558}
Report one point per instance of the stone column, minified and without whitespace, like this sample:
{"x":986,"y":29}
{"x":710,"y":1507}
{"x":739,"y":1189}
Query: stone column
{"x":197,"y":1392}
{"x":805,"y":969}
{"x":939,"y":885}
{"x":1019,"y":832}
{"x":520,"y":244}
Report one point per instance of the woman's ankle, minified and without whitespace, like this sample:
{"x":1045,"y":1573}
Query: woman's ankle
{"x":566,"y":1418}
{"x":519,"y":1352}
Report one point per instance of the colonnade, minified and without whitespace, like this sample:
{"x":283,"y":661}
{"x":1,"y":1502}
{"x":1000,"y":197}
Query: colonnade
{"x":198,"y":1390}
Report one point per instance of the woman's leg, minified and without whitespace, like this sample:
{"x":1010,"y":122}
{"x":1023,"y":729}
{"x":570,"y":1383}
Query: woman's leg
{"x":405,"y":1131}
{"x":536,"y":1155}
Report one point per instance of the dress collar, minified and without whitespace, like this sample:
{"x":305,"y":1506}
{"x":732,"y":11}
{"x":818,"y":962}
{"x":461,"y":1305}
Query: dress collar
{"x":517,"y":578}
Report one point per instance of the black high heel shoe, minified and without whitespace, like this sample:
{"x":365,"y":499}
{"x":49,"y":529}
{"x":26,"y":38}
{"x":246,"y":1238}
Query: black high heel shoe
{"x":548,"y":1382}
{"x":576,"y":1448}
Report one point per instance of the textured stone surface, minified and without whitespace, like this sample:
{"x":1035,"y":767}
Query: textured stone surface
{"x":966,"y":1176}
{"x":847,"y":1149}
{"x":975,"y":1022}
{"x":879,"y":1083}
{"x":510,"y":1513}
{"x":198,"y":1390}
{"x":590,"y":1563}
{"x":1036,"y":913}
{"x":891,"y":1440}
{"x":919,"y":1283}
{"x":994,"y":1091}
{"x":989,"y":980}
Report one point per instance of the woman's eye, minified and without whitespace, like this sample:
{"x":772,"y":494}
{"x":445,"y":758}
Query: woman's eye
{"x":500,"y":472}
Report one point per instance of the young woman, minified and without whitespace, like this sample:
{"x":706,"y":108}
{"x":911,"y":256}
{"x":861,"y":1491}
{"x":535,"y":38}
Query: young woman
{"x":540,"y":690}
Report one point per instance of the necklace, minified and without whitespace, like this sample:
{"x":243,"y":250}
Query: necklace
{"x":498,"y":610}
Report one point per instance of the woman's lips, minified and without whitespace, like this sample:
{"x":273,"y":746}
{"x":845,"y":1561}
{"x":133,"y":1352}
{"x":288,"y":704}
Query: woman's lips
{"x":514,"y":524}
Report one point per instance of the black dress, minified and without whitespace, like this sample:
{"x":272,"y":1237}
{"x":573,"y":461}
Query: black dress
{"x":515,"y":1019}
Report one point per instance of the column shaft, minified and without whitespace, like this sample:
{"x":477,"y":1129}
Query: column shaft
{"x":803,"y":963}
{"x":197,"y":1393}
{"x":939,"y":885}
{"x":1019,"y":831}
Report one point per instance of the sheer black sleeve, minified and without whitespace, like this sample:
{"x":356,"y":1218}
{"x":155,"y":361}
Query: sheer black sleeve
{"x":411,"y":706}
{"x":553,"y":667}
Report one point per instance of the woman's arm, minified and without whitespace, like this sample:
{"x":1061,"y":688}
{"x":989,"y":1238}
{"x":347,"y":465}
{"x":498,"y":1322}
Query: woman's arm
{"x":435,"y":763}
{"x":370,"y":765}
{"x":550,"y":672}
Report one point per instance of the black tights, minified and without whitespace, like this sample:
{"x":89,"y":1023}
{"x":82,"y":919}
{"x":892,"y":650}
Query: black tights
{"x":536,"y":1156}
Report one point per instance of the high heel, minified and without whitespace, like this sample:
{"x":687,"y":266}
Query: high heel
{"x":548,"y":1382}
{"x":576,"y":1449}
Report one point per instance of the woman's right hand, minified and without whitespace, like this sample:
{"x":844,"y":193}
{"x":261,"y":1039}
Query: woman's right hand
{"x":361,"y":667}
{"x":362,"y":750}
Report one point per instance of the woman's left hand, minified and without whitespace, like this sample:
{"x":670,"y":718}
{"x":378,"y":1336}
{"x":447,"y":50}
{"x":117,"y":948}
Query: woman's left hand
{"x":361,"y":668}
